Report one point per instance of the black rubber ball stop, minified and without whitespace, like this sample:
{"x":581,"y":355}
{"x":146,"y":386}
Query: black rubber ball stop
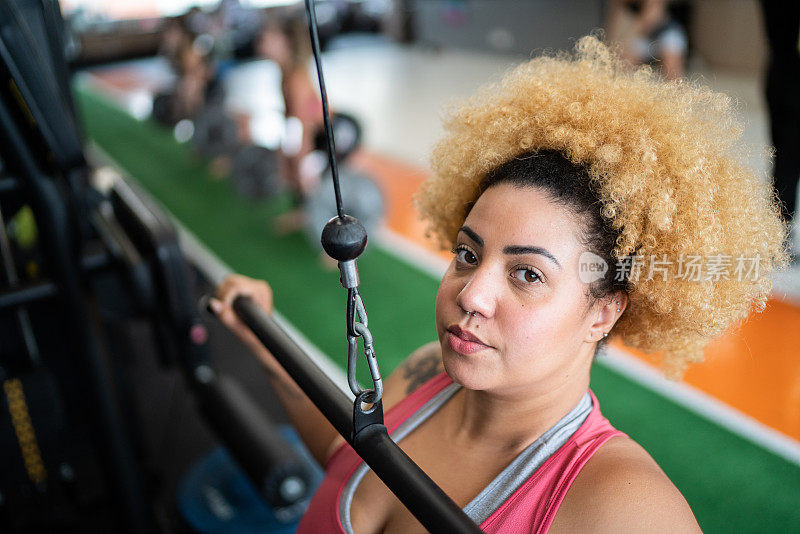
{"x":344,"y":238}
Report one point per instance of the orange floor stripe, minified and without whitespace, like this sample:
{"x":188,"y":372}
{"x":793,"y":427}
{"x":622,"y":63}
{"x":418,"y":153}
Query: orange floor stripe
{"x":755,"y":369}
{"x":399,"y":182}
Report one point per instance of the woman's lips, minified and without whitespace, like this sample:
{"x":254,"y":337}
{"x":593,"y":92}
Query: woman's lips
{"x":463,"y":341}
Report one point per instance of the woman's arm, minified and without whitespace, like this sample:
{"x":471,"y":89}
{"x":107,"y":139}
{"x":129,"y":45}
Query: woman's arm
{"x":317,"y":433}
{"x":302,"y":103}
{"x":314,"y":429}
{"x":616,"y":21}
{"x":652,"y":15}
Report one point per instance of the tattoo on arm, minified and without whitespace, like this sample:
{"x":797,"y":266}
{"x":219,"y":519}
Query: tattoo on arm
{"x":420,"y":371}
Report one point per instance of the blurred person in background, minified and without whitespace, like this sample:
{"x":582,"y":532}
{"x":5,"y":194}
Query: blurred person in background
{"x":188,"y":50}
{"x":172,"y":40}
{"x":284,"y":40}
{"x":648,"y":30}
{"x":195,"y":73}
{"x":782,"y":23}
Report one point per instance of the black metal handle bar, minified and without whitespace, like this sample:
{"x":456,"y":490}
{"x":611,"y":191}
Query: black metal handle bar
{"x":415,"y":489}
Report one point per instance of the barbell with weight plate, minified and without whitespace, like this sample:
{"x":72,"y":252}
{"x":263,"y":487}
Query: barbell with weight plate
{"x":216,"y":133}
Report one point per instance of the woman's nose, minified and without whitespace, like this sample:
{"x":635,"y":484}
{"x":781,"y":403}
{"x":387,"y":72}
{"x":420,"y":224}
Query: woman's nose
{"x":479,"y":295}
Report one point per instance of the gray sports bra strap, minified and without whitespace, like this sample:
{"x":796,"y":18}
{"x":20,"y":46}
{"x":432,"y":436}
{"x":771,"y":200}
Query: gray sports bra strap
{"x":528,"y":461}
{"x":506,"y":483}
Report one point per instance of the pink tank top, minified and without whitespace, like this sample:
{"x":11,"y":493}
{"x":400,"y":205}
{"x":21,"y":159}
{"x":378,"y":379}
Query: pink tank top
{"x":530,"y":508}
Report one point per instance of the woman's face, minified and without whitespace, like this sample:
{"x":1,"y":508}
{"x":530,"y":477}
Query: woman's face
{"x":516,"y":271}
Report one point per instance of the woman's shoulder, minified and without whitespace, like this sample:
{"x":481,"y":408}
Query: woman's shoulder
{"x":621,"y":488}
{"x":422,"y":365}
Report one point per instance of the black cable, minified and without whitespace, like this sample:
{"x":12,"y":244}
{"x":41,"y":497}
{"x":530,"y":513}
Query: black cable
{"x":312,"y":28}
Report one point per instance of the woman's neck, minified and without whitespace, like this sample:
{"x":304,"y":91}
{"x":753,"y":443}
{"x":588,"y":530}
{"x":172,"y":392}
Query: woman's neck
{"x":509,"y":421}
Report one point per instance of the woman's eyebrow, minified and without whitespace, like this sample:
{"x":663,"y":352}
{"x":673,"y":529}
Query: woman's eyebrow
{"x":518,"y":249}
{"x":512,"y":249}
{"x":471,"y":234}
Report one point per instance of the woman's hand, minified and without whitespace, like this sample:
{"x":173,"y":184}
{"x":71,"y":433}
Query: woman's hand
{"x":234,"y":286}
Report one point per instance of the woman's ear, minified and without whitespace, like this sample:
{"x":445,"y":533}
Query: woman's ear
{"x":606,"y":312}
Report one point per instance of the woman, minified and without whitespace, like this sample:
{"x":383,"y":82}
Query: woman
{"x":285,"y":41}
{"x":543,"y":185}
{"x":648,"y":30}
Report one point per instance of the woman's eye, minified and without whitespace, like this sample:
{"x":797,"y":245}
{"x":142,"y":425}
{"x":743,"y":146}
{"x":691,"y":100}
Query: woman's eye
{"x":526,"y":275}
{"x":465,"y":255}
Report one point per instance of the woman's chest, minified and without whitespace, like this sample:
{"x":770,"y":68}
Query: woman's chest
{"x":462,"y":471}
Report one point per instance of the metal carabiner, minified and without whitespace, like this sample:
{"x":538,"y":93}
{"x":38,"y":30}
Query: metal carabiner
{"x":372,"y":361}
{"x":357,"y":322}
{"x":352,"y":365}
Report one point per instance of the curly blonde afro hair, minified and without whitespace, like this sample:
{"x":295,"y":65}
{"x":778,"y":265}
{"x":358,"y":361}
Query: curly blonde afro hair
{"x":670,"y":174}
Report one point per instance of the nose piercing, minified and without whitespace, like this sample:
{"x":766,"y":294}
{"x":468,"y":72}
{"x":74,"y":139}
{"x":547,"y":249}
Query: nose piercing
{"x":472,"y":313}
